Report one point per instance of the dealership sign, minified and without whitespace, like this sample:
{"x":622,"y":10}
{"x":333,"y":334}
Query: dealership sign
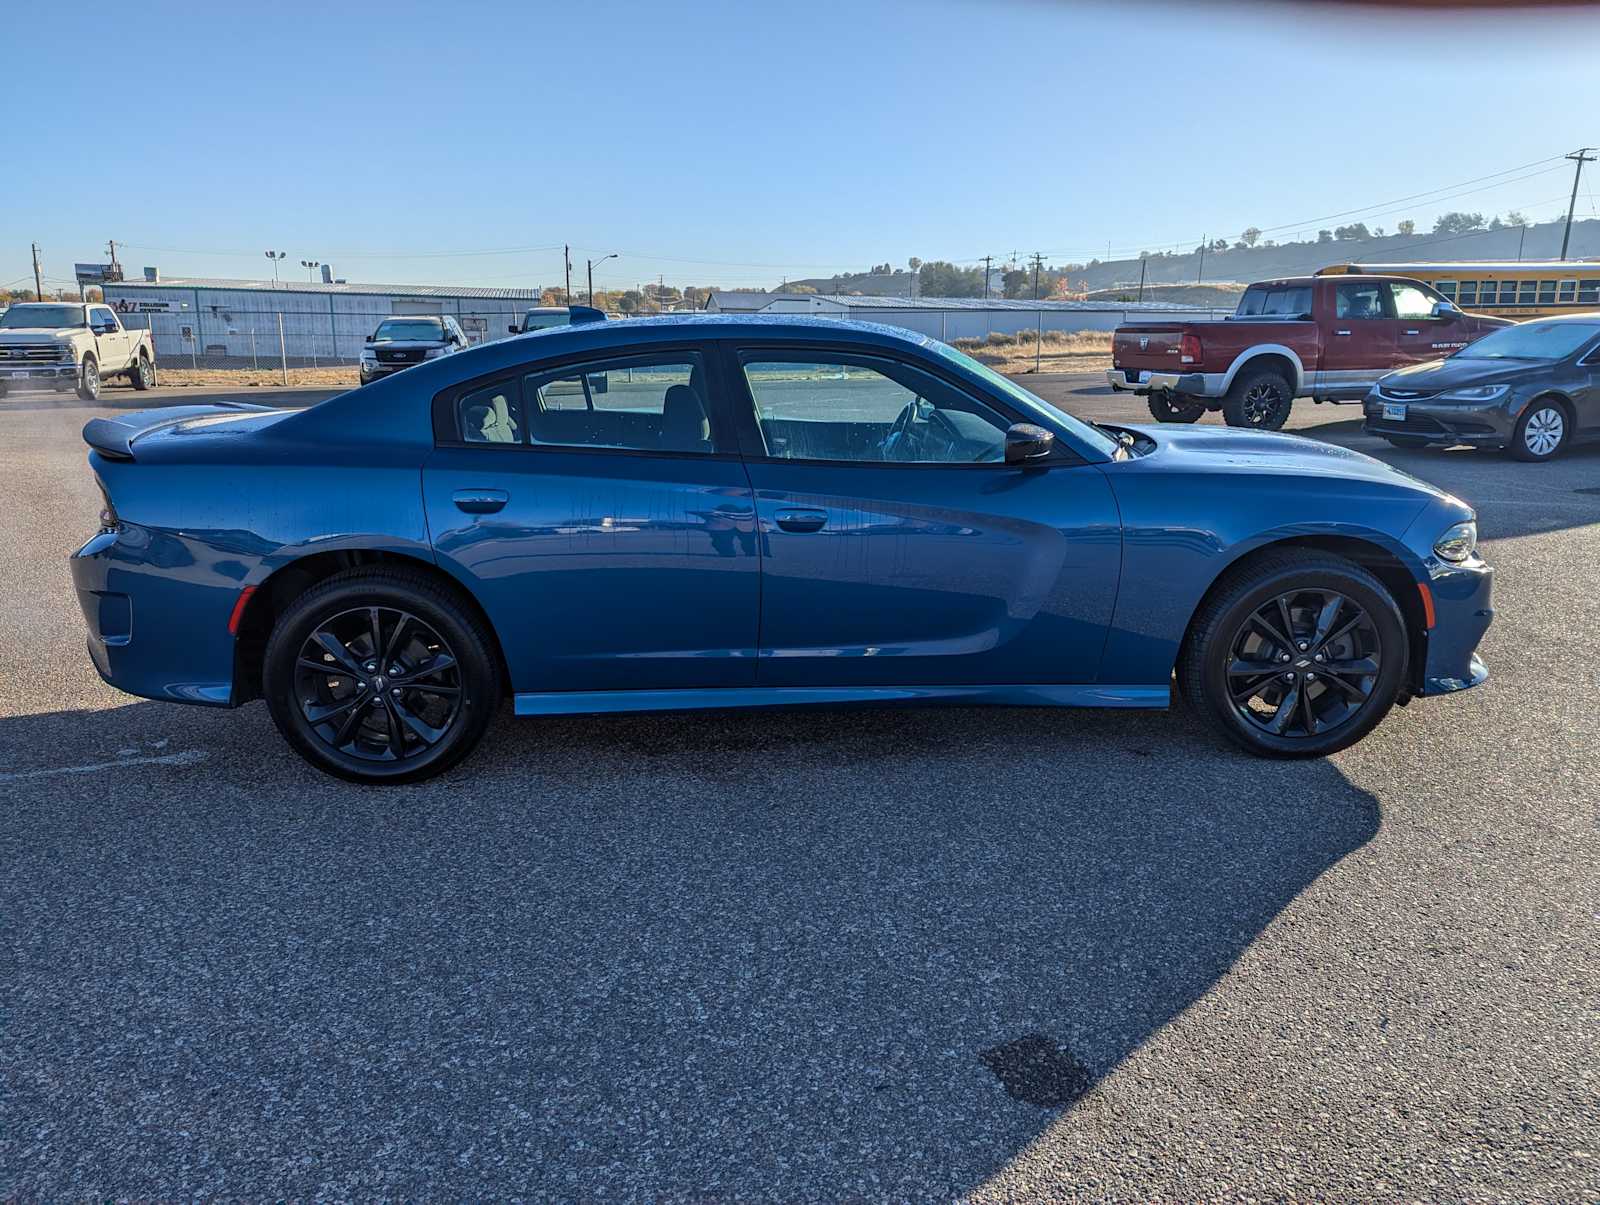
{"x":93,"y":274}
{"x":141,"y":305}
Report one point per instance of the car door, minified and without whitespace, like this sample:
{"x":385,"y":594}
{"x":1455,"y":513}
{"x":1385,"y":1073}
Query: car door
{"x":111,"y":341}
{"x":1362,"y":342}
{"x":1420,"y":335}
{"x":898,"y":548}
{"x":598,"y":511}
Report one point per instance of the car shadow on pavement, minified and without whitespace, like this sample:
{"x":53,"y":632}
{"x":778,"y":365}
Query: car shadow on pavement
{"x":129,"y":399}
{"x":780,"y":954}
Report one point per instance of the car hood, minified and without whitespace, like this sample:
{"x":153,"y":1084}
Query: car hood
{"x":1457,"y":371}
{"x":1230,"y":450}
{"x":40,"y":334}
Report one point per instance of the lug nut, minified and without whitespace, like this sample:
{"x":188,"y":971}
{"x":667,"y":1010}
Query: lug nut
{"x":395,"y":692}
{"x":372,"y":665}
{"x":1303,"y":646}
{"x":1311,"y":677}
{"x":1283,"y":656}
{"x":1289,"y":677}
{"x":1321,"y":656}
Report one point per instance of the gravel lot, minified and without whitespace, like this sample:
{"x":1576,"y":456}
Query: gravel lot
{"x":883,"y":954}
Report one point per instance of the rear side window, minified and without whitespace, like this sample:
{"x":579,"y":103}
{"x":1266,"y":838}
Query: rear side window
{"x":643,"y":403}
{"x":491,"y":415}
{"x":1268,"y":300}
{"x":1358,"y":301}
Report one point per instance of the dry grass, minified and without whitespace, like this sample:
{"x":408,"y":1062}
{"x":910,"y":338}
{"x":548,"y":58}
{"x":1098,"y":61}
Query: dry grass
{"x":244,"y":378}
{"x":1056,"y":351}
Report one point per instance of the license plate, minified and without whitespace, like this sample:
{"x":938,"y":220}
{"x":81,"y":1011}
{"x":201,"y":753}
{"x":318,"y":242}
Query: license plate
{"x":1394,"y":412}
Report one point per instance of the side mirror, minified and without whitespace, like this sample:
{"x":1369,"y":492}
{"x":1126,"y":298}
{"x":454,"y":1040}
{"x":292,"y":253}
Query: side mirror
{"x":514,"y":329}
{"x":1445,"y":309}
{"x":369,"y":338}
{"x":104,"y":328}
{"x":1025,"y":442}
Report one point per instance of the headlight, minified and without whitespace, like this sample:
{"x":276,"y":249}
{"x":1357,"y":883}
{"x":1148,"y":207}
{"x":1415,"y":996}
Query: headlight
{"x":1476,"y":393}
{"x":65,"y":354}
{"x":433,"y":353}
{"x":1458,"y":542}
{"x":369,"y":357}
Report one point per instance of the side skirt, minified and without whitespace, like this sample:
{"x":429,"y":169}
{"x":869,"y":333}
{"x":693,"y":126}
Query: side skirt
{"x":603,"y":701}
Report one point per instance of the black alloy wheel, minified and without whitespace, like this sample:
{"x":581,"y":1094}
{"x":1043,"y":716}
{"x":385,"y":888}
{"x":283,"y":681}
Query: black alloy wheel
{"x":1297,"y":653}
{"x":1259,"y":399}
{"x":1168,"y":407}
{"x":381,"y":675}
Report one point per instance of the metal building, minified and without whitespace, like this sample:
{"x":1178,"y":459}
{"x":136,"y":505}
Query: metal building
{"x":238,"y":321}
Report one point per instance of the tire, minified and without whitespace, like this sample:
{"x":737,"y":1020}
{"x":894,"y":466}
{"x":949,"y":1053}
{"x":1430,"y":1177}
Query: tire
{"x":1224,"y":646}
{"x":1542,"y":432}
{"x":142,"y":374}
{"x":1168,"y":407}
{"x":1259,"y":398}
{"x":332,"y":718}
{"x":1407,"y":441}
{"x":89,"y":380}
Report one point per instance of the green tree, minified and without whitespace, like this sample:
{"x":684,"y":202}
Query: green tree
{"x":1251,"y":236}
{"x":1354,"y":230}
{"x":1517,"y":218}
{"x":940,"y":278}
{"x":1407,"y":227}
{"x":1457,"y":223}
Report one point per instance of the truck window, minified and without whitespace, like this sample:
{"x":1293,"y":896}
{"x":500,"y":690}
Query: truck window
{"x":1263,"y":300}
{"x":1411,"y":302}
{"x":1358,"y":301}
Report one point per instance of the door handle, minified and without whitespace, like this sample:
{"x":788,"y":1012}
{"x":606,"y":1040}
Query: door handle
{"x":1341,"y":332}
{"x":480,"y":502}
{"x":802,"y":520}
{"x":1413,"y":332}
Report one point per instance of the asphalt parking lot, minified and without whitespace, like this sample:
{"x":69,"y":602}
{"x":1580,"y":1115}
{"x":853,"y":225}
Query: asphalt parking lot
{"x":885,"y":954}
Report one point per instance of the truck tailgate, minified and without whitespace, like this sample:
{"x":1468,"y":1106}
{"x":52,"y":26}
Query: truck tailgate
{"x":1153,"y":346}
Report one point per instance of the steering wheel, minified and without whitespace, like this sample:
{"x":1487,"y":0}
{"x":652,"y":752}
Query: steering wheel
{"x":904,"y":442}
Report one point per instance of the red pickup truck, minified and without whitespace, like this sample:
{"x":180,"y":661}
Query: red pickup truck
{"x":1325,"y":337}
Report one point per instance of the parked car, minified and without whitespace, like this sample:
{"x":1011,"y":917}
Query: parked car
{"x":543,"y":317}
{"x":70,"y":345}
{"x":1532,"y":390}
{"x":399,"y":343}
{"x":1325,"y":337}
{"x":754,"y":512}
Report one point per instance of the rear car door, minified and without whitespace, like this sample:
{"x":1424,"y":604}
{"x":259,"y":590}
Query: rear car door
{"x":600,"y":514}
{"x":1361,"y":342}
{"x":1421,"y":336}
{"x":898,"y":549}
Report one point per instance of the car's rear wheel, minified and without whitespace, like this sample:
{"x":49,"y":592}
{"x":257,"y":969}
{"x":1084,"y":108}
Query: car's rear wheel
{"x":381,"y":675}
{"x":1541,"y":432}
{"x":1168,"y":407}
{"x":89,"y":380}
{"x":142,"y":375}
{"x":1298,"y":654}
{"x":1258,"y":398}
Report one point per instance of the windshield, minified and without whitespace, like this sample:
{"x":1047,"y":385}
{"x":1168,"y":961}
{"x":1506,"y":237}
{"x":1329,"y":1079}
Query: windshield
{"x":1013,"y":392}
{"x":42,"y":315}
{"x":1532,"y":341}
{"x":409,"y":328}
{"x":537,"y":322}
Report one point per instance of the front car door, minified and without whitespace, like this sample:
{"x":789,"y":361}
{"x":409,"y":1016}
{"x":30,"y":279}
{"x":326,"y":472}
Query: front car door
{"x":598,"y":510}
{"x":1362,"y":342}
{"x":1421,"y":336}
{"x":898,"y":549}
{"x":111,"y":345}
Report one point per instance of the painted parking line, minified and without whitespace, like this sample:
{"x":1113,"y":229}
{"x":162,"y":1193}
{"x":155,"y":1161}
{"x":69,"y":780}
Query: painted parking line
{"x":188,"y":757}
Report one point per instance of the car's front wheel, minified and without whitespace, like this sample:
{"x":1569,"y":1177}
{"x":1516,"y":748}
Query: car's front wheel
{"x":1541,"y":432}
{"x":89,"y":380}
{"x":1297,"y":654}
{"x":381,"y":675}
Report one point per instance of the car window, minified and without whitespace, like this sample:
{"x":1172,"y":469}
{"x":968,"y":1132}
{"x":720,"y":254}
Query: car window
{"x":867,"y":409}
{"x":1357,"y":301}
{"x":645,"y":403}
{"x":1261,"y":300}
{"x":1410,"y":301}
{"x":102,"y":316}
{"x":491,"y":415}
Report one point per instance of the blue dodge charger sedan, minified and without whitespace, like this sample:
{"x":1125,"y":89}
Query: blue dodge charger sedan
{"x":713,"y":512}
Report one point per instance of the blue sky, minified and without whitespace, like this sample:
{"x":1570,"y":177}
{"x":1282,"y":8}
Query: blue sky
{"x":740,"y":144}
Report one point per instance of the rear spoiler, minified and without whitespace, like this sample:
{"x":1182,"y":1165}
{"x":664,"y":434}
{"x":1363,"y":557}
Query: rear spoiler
{"x":114,"y":437}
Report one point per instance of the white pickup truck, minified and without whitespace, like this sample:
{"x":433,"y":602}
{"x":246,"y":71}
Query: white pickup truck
{"x":67,"y":344}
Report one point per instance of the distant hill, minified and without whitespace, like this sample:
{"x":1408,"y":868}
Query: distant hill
{"x":1222,"y":295}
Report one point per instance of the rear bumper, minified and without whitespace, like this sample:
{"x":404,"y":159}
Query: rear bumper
{"x":151,"y":634}
{"x":1141,"y":381}
{"x":1442,"y":423}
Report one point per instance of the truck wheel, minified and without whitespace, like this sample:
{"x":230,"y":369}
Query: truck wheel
{"x":142,"y":374}
{"x":1259,"y":398}
{"x":89,"y":380}
{"x":1169,"y":407}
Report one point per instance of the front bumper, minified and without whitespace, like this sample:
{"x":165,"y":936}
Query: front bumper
{"x":1463,"y":609}
{"x":1142,"y":381}
{"x":1443,"y":424}
{"x":51,"y":373}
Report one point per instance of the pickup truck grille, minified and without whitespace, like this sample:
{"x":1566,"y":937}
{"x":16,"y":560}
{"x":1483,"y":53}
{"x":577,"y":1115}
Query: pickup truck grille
{"x":29,"y":353}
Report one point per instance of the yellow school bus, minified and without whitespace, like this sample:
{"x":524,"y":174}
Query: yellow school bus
{"x":1529,"y":289}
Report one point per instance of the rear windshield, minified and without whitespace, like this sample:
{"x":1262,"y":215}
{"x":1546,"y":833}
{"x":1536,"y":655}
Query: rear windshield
{"x":1267,"y":300}
{"x":1532,"y":341}
{"x":409,"y":328}
{"x":19,"y":316}
{"x":537,"y":322}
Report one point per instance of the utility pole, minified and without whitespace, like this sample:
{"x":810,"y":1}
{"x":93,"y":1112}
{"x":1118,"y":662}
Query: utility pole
{"x":116,"y":268}
{"x":1520,"y":239}
{"x":1204,"y":238}
{"x":1142,"y":262}
{"x":1037,"y":261}
{"x":987,"y":260}
{"x":566,"y":256}
{"x":1579,"y":158}
{"x":38,"y":280}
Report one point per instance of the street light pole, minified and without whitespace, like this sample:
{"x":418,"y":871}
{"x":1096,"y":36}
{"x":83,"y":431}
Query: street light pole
{"x":275,"y":256}
{"x":311,"y":266}
{"x":591,"y":263}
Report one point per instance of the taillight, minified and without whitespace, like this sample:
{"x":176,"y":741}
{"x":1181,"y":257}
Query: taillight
{"x":109,"y":523}
{"x":1189,"y":349}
